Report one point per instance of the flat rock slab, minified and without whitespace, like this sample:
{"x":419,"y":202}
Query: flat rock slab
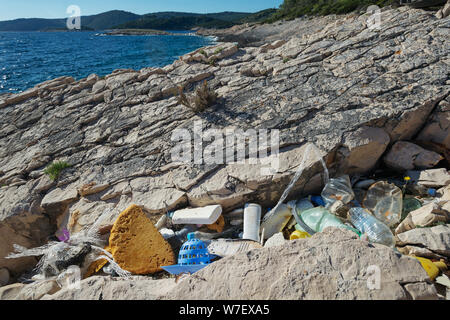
{"x":108,"y":288}
{"x":436,"y":239}
{"x":332,"y":265}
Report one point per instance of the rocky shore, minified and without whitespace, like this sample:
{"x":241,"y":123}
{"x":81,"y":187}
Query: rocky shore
{"x":331,"y":81}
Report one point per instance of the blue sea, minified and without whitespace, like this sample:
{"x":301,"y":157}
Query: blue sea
{"x":29,"y":58}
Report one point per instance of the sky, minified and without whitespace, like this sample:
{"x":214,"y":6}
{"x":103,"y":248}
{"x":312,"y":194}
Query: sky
{"x":10,"y":10}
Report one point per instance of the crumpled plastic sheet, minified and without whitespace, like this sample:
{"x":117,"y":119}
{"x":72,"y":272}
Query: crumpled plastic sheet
{"x":57,"y":257}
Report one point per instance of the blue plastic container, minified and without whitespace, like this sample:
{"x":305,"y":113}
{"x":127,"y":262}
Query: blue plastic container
{"x":193,"y":257}
{"x":193,"y":252}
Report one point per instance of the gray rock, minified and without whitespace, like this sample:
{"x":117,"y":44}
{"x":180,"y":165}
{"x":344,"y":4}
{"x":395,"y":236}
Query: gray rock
{"x":408,"y":156}
{"x":276,"y":240}
{"x":437,"y":129}
{"x":34,"y":291}
{"x":334,"y":264}
{"x":436,"y":239}
{"x":423,"y":217}
{"x":11,"y":292}
{"x":4,"y":277}
{"x":434,"y":178}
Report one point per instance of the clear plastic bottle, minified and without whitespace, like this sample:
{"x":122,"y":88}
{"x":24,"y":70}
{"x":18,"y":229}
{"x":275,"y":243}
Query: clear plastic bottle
{"x":409,"y":205}
{"x":385,"y":201}
{"x":320,"y":218}
{"x":338,"y":189}
{"x":376,"y":230}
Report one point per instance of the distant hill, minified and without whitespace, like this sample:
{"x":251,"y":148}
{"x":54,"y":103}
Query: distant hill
{"x":185,"y":21}
{"x":117,"y":19}
{"x":108,"y":19}
{"x":259,"y":16}
{"x":100,"y":21}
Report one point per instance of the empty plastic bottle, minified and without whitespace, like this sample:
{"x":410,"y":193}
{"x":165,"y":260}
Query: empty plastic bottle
{"x":252,"y":221}
{"x":410,"y":205}
{"x":338,"y":189}
{"x":319,"y":218}
{"x":376,"y":230}
{"x":385,"y":201}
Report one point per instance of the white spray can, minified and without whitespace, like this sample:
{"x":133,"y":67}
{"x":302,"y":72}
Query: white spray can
{"x":252,"y":221}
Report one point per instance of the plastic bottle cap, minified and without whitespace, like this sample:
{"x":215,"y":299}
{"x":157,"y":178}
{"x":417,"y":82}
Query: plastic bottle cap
{"x":432,"y":192}
{"x":191,"y":236}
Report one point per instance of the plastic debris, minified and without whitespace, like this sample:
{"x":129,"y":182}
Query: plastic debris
{"x":276,"y":220}
{"x":228,"y":247}
{"x":409,"y":205}
{"x":193,"y":256}
{"x":58,"y":256}
{"x":441,"y":265}
{"x":252,"y":221}
{"x":376,"y":230}
{"x":217,"y":226}
{"x":317,"y":201}
{"x":338,"y":189}
{"x":319,"y":218}
{"x":299,"y":235}
{"x":206,"y":215}
{"x":385,"y":201}
{"x":364,"y":184}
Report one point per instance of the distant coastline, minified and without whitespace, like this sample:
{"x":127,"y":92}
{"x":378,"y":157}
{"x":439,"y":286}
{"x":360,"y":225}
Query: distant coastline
{"x":136,"y":32}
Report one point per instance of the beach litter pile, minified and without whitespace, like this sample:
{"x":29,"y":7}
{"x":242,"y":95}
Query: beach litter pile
{"x":402,"y":212}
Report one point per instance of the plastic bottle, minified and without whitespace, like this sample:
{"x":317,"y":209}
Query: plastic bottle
{"x":320,"y":218}
{"x":199,"y":216}
{"x":410,"y":205}
{"x":338,"y":189}
{"x":317,"y":201}
{"x":385,"y":201}
{"x":432,"y":270}
{"x":252,"y":221}
{"x":275,"y":221}
{"x":376,"y":230}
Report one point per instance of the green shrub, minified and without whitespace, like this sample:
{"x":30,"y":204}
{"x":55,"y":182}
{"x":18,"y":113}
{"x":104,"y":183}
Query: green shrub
{"x":292,"y":9}
{"x":55,"y":169}
{"x":218,"y":50}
